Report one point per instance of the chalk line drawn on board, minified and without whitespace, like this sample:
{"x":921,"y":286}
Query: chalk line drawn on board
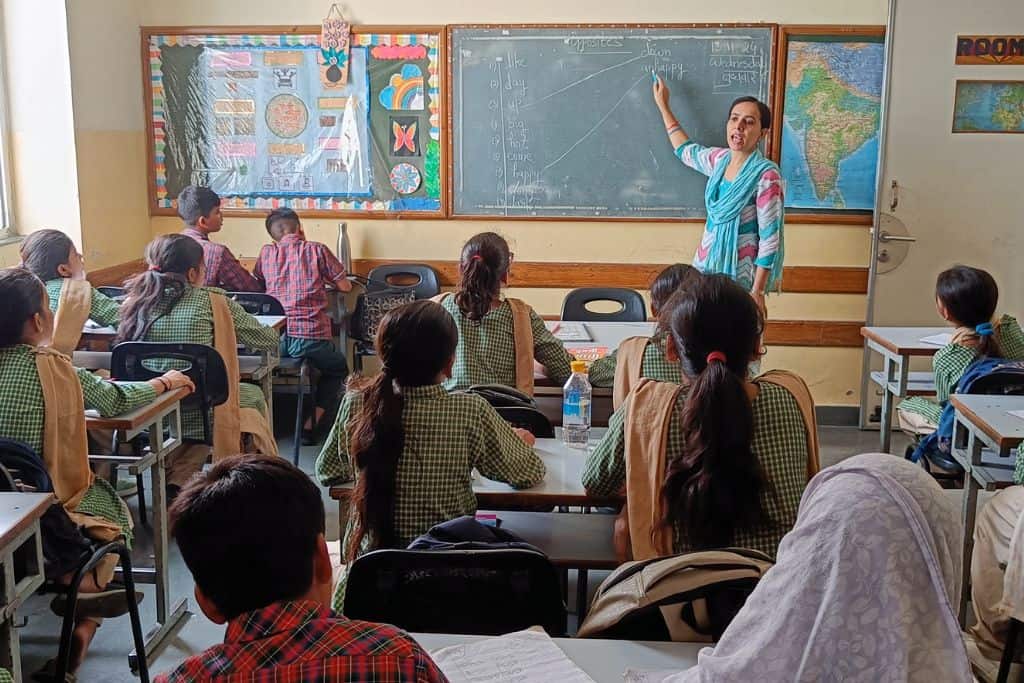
{"x":404,"y":91}
{"x":405,"y":178}
{"x":583,"y":80}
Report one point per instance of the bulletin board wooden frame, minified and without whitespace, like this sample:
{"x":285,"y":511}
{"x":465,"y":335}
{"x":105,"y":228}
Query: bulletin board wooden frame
{"x":771,"y":151}
{"x":147,"y":85}
{"x":786,"y":33}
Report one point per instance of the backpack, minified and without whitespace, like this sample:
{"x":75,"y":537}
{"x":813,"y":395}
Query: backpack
{"x":983,"y":376}
{"x":466,"y":533}
{"x":690,"y":597}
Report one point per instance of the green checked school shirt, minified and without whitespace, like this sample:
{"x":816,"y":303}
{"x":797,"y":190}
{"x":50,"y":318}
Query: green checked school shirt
{"x":104,"y":311}
{"x":486,"y":351}
{"x":780,"y":443}
{"x":951,"y":362}
{"x":23,"y":417}
{"x":446,"y":437}
{"x":655,"y":365}
{"x":191,"y":321}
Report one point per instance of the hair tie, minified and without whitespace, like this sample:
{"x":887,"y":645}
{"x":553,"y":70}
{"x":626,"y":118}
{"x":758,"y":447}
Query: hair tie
{"x":715,"y":356}
{"x":155,"y":269}
{"x":476,"y":257}
{"x":984,"y":330}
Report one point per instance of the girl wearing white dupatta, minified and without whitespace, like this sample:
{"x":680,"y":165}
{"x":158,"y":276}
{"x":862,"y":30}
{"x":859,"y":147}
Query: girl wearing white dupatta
{"x":862,"y":591}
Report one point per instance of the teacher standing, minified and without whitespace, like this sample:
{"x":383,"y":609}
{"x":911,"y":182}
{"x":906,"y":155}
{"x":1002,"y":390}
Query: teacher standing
{"x":743,"y":234}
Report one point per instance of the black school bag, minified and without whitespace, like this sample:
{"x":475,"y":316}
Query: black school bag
{"x":688,"y":598}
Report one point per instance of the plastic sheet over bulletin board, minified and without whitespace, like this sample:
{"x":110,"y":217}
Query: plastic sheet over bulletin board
{"x":258,"y":118}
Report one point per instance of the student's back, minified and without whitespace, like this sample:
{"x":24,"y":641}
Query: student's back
{"x":410,"y":446}
{"x":729,"y":457}
{"x":493,"y":348}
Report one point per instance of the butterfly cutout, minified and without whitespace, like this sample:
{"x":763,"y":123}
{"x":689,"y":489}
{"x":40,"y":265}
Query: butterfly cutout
{"x":405,"y":137}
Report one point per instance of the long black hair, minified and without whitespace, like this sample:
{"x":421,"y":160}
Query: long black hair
{"x":44,"y":251}
{"x":158,"y":289}
{"x":668,"y":282}
{"x":714,"y":487}
{"x":414,"y":342}
{"x":970,"y":296}
{"x":763,"y":110}
{"x":21,"y":297}
{"x":485,"y":262}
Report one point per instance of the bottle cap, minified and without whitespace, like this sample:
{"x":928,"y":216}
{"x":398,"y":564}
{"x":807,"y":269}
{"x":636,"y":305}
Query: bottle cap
{"x":579,"y":366}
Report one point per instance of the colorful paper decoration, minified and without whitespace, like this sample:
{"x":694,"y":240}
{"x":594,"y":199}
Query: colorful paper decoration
{"x":335,"y":35}
{"x":405,"y":140}
{"x":405,"y":178}
{"x":287,"y":116}
{"x":405,"y":90}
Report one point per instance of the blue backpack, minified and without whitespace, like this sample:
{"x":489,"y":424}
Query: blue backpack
{"x":983,"y":376}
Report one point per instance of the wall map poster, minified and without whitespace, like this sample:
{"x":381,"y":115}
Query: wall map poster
{"x":251,"y":117}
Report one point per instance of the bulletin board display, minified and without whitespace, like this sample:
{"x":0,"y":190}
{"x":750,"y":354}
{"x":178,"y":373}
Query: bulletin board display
{"x":255,"y":115}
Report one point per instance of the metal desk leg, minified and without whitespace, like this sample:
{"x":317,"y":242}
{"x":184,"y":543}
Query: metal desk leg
{"x":970,"y":511}
{"x":267,"y":385}
{"x":886,"y":423}
{"x":582,"y":580}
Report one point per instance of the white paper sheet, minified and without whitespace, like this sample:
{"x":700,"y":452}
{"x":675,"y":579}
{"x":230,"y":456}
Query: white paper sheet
{"x":573,"y":331}
{"x":521,"y":657}
{"x":938,"y":339}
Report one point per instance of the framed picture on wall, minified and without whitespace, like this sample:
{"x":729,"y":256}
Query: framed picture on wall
{"x":989,"y":107}
{"x":828,"y":120}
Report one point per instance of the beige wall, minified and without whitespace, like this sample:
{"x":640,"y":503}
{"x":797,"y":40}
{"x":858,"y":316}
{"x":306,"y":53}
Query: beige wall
{"x":108,"y":131}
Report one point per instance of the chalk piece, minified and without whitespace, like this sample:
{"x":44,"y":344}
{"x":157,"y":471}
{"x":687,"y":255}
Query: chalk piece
{"x":654,"y":79}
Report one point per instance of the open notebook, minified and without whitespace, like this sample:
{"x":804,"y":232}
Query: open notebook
{"x":520,"y":657}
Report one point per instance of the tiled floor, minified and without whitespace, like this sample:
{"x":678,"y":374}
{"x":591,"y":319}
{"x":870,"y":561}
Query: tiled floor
{"x":108,"y":657}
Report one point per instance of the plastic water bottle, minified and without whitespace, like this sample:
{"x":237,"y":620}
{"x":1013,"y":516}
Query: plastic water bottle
{"x":576,"y":407}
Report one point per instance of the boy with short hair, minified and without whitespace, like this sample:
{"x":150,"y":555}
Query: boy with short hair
{"x":251,"y":531}
{"x":199,"y":207}
{"x":297,"y":273}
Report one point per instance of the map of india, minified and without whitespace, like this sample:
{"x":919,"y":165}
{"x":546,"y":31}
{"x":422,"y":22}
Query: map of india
{"x":989,"y":107}
{"x":830,"y":124}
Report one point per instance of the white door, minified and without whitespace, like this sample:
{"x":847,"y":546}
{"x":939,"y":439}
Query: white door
{"x":960,"y":196}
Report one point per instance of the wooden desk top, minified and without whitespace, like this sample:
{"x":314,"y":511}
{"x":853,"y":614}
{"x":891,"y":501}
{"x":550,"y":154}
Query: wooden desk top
{"x":990,"y":414}
{"x":19,"y":510}
{"x":904,"y":341}
{"x":141,"y":416}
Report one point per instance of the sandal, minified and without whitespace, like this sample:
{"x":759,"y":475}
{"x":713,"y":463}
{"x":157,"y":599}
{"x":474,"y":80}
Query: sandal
{"x":107,"y":604}
{"x":48,"y":674}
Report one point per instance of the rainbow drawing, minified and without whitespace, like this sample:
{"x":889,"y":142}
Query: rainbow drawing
{"x":405,"y":90}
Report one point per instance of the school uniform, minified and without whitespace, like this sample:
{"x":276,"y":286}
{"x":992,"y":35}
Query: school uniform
{"x":102,"y":309}
{"x":446,"y":437}
{"x":488,"y":352}
{"x":192,"y":320}
{"x":297,"y":273}
{"x":27,"y":415}
{"x":921,"y":415}
{"x":74,"y":303}
{"x":784,"y":442}
{"x":222,"y":268}
{"x":304,"y":642}
{"x":636,"y":358}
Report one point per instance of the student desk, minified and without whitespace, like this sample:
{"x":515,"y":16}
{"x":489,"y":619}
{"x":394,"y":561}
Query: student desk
{"x":897,"y":345}
{"x":603,"y":660}
{"x":608,"y":335}
{"x":19,"y":531}
{"x":990,"y":434}
{"x":161,"y":421}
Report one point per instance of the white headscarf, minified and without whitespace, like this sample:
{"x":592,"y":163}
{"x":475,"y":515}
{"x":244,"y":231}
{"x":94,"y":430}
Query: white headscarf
{"x":863,"y":588}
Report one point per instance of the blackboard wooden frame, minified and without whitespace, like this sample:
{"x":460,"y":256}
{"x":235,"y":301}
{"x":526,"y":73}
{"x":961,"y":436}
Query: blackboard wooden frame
{"x":449,"y":155}
{"x":147,"y":89}
{"x":785,"y":34}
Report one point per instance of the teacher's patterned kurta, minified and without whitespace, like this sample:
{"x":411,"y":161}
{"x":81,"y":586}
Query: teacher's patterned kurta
{"x":760,"y":220}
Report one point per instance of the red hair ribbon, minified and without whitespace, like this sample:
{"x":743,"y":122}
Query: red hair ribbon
{"x":476,"y":257}
{"x":716,"y":356}
{"x":155,"y":269}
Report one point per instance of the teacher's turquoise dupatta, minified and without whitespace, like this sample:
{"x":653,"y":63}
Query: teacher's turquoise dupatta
{"x":724,"y":215}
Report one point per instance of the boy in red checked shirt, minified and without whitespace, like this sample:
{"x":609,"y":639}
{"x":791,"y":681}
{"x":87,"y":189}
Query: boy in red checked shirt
{"x":251,"y":531}
{"x":199,"y":207}
{"x":298,"y":273}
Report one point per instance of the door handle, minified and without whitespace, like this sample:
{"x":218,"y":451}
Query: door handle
{"x":884,"y":236}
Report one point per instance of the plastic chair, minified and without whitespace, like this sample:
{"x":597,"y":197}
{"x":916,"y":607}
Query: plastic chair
{"x":530,"y":419}
{"x":116,"y":293}
{"x":633,"y":309}
{"x":18,"y":462}
{"x":390,"y":276}
{"x":264,"y":304}
{"x":485,"y":592}
{"x":1009,"y":651}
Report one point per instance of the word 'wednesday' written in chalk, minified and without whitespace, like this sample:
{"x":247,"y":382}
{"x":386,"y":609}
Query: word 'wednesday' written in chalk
{"x":990,"y":50}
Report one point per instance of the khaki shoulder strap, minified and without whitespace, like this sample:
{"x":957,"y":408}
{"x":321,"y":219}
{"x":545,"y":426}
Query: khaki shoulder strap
{"x":73,"y":310}
{"x":65,"y":446}
{"x":522,"y":335}
{"x":629,"y":362}
{"x":227,"y":430}
{"x":647,"y":424}
{"x":796,"y":386}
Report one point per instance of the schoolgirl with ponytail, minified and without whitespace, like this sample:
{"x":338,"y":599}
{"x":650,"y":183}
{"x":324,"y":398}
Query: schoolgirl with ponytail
{"x":730,"y":455}
{"x":966,"y":298}
{"x":499,"y":337}
{"x":410,"y":445}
